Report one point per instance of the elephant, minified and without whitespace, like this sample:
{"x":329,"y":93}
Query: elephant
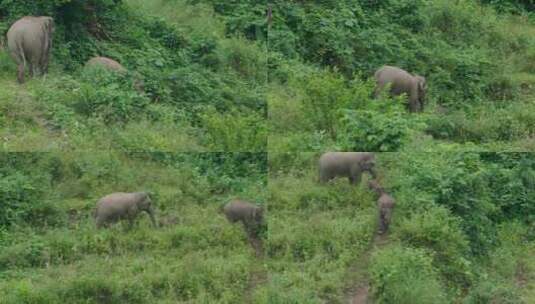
{"x":346,"y":164}
{"x":29,"y":41}
{"x":107,"y":63}
{"x":115,"y":66}
{"x":385,"y":203}
{"x":250,"y":215}
{"x":121,"y":205}
{"x":402,"y":82}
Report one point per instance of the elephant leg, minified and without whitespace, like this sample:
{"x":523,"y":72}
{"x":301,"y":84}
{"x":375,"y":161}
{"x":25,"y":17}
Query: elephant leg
{"x":355,"y":175}
{"x":31,"y":67}
{"x":377,"y":91}
{"x":382,"y":228}
{"x":324,"y":178}
{"x":20,"y":73}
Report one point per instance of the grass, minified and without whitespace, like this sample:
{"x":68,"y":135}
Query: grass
{"x":316,"y":232}
{"x":66,"y":111}
{"x":498,"y":119}
{"x":195,"y":255}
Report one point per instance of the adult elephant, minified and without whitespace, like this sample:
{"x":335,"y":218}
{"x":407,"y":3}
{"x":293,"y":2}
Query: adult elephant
{"x":346,"y":164}
{"x":29,"y":41}
{"x":401,"y":82}
{"x":120,"y":205}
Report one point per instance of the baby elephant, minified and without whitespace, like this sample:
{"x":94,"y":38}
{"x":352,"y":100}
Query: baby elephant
{"x":251,"y":216}
{"x":106,"y":63}
{"x":402,"y":82}
{"x":346,"y":164}
{"x":120,"y":205}
{"x":114,"y":66}
{"x":385,"y":203}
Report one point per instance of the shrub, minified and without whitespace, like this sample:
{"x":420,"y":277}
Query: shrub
{"x":109,"y":95}
{"x":23,"y":200}
{"x":325,"y":94}
{"x":234,"y":131}
{"x":368,"y":130}
{"x":490,"y":291}
{"x":405,"y":275}
{"x":439,"y":232}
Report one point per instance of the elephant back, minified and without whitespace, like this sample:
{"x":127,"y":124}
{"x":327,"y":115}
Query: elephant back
{"x":106,"y":63}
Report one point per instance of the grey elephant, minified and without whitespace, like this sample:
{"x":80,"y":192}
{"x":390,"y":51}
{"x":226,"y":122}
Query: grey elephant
{"x":402,"y":82}
{"x":121,"y":205}
{"x":115,"y":66}
{"x":250,"y":215}
{"x":346,"y":164}
{"x":106,"y":63}
{"x":29,"y":41}
{"x":385,"y":203}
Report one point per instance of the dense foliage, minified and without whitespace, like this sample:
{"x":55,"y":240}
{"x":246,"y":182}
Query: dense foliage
{"x":202,"y":85}
{"x":457,"y":216}
{"x":478,"y":65}
{"x":46,"y":227}
{"x":219,"y":76}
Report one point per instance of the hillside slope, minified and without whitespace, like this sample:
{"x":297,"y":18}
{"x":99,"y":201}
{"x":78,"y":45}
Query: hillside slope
{"x":203,"y":88}
{"x":461,"y":231}
{"x":51,"y":251}
{"x":479,"y":66}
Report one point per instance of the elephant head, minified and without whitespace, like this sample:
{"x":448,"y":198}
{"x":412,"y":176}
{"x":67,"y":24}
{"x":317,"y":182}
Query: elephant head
{"x":48,"y":24}
{"x":258,"y":215}
{"x":367,"y":164}
{"x":422,"y":89}
{"x":375,"y":186}
{"x":145,"y":204}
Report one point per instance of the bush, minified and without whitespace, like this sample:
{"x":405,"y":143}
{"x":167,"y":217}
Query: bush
{"x":368,"y":130}
{"x":326,"y":93}
{"x":23,"y":200}
{"x":489,"y":291}
{"x":109,"y":95}
{"x":405,"y":275}
{"x":481,"y":125}
{"x":234,"y":131}
{"x":439,"y":232}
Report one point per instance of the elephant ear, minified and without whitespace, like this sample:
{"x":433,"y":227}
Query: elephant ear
{"x":259,"y":213}
{"x":422,"y":86}
{"x":49,"y":24}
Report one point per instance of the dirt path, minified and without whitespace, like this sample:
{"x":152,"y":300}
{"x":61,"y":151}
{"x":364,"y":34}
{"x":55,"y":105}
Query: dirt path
{"x":359,"y":292}
{"x":20,"y":107}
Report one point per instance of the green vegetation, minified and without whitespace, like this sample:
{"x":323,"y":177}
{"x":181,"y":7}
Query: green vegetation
{"x":315,"y":232}
{"x":204,"y":89}
{"x":51,"y":252}
{"x":222,"y":86}
{"x":478,"y":63}
{"x":462,"y":230}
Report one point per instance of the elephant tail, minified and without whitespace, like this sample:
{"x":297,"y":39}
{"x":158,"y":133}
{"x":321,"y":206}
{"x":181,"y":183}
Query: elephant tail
{"x":22,"y":56}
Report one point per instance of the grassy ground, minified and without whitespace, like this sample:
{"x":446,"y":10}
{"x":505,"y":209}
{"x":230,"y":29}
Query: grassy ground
{"x":308,"y":101}
{"x":195,"y":255}
{"x":316,"y":233}
{"x":322,"y":246}
{"x":27,"y":125}
{"x":213,"y":103}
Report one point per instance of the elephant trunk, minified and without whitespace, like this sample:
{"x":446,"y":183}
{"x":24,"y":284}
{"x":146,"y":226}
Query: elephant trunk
{"x":373,"y":173}
{"x":150,"y":211}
